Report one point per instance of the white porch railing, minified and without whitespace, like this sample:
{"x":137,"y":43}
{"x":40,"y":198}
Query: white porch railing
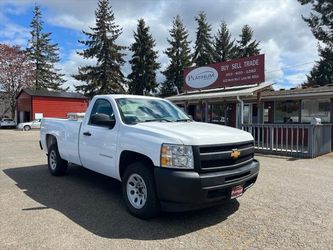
{"x":297,"y":140}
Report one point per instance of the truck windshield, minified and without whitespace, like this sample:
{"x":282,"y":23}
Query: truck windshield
{"x":135,"y":110}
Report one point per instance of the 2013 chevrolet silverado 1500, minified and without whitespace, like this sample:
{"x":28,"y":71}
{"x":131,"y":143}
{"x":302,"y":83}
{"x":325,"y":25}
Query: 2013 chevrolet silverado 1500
{"x":163,"y":158}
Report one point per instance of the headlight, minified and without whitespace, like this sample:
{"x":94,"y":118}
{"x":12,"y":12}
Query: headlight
{"x":176,"y":156}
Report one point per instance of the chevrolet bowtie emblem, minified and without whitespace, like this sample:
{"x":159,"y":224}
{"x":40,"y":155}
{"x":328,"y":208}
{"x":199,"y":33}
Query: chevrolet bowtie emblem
{"x":235,"y":154}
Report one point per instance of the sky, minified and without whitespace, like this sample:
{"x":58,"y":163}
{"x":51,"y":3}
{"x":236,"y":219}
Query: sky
{"x":287,"y":42}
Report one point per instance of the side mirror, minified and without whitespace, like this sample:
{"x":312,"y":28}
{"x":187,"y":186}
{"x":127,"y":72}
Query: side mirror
{"x":191,"y":117}
{"x":102,"y":120}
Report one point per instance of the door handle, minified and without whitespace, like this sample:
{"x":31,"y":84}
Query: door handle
{"x":87,"y":133}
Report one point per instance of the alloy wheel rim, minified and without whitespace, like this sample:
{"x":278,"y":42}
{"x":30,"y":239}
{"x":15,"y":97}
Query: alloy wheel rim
{"x":136,"y":191}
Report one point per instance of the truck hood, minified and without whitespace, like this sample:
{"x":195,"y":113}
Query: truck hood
{"x":197,"y":133}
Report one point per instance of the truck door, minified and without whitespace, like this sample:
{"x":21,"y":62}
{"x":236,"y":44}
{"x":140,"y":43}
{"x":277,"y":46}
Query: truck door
{"x":97,"y":143}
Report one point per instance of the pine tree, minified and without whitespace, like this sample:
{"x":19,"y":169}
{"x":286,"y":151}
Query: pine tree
{"x":321,"y":24}
{"x":142,"y":79}
{"x":44,"y":56}
{"x":203,"y":49}
{"x":246,"y":46}
{"x":179,"y":55}
{"x":225,"y":49}
{"x":322,"y":72}
{"x":105,"y":76}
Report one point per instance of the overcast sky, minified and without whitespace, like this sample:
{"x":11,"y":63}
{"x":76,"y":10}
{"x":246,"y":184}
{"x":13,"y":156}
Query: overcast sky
{"x":288,"y":44}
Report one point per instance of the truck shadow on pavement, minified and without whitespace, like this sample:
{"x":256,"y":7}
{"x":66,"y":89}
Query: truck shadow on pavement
{"x":94,"y":202}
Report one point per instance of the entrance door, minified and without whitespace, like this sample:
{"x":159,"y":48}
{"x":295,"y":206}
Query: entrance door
{"x":247,"y":113}
{"x":27,"y":117}
{"x":250,"y":113}
{"x":255,"y":118}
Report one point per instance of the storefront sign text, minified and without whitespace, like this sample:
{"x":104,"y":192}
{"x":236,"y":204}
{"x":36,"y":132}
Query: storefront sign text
{"x":242,"y":71}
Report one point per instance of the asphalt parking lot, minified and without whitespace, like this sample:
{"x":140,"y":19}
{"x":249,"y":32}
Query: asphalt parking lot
{"x":290,"y":206}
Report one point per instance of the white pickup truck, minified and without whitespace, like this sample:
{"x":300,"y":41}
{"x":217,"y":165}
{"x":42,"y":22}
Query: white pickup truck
{"x":163,"y":158}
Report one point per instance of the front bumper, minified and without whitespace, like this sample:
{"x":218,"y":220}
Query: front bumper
{"x":187,"y":190}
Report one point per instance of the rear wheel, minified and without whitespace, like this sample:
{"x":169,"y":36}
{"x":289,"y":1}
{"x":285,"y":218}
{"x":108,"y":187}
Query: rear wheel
{"x":57,"y":166}
{"x":139,"y":191}
{"x":26,"y":128}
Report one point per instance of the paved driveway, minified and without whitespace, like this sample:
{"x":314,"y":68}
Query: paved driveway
{"x":290,"y":206}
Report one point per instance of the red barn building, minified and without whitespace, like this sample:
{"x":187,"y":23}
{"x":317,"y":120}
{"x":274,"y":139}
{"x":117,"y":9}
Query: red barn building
{"x":34,"y":104}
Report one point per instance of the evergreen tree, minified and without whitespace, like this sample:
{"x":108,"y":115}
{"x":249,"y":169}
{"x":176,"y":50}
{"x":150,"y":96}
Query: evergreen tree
{"x":203,"y":49}
{"x":179,"y":55}
{"x":142,"y":79}
{"x":246,"y":46}
{"x":321,"y":24}
{"x":105,"y":76}
{"x":322,"y":72}
{"x":225,"y":49}
{"x":43,"y":56}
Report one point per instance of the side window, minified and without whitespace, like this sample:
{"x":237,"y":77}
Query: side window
{"x":102,"y":106}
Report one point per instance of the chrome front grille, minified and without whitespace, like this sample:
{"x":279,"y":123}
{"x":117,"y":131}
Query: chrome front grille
{"x":218,"y":157}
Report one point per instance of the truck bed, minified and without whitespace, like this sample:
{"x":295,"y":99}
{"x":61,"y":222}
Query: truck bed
{"x":67,"y":133}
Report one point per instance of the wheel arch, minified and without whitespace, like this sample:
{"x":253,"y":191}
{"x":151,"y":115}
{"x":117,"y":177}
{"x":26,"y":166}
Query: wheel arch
{"x":128,"y":157}
{"x":50,"y":140}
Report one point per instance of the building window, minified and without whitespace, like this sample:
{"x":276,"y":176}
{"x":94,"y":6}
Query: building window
{"x":181,"y":107}
{"x":286,"y":112}
{"x":216,"y":113}
{"x":316,"y":108}
{"x":200,"y":112}
{"x":219,"y":113}
{"x":197,"y":111}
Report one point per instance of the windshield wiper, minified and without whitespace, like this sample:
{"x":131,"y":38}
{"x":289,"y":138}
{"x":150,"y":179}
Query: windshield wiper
{"x":157,"y":120}
{"x":183,"y":120}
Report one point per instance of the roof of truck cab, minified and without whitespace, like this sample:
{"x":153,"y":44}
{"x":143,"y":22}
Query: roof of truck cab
{"x":119,"y":96}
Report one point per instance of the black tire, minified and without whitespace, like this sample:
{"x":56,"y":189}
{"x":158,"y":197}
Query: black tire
{"x":26,"y":128}
{"x":151,"y":207}
{"x":57,"y":166}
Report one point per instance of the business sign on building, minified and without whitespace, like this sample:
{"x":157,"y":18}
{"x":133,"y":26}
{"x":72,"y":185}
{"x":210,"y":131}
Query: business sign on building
{"x":247,"y":70}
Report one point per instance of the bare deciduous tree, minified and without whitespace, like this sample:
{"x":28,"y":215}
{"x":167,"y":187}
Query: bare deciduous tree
{"x":15,"y":73}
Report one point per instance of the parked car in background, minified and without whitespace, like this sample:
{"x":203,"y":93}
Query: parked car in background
{"x":7,"y":123}
{"x":26,"y":126}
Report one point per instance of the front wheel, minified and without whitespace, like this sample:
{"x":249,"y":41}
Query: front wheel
{"x":26,"y":128}
{"x":139,"y":191}
{"x":57,"y":166}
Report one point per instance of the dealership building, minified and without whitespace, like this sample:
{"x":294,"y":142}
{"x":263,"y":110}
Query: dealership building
{"x":258,"y":103}
{"x":235,"y":94}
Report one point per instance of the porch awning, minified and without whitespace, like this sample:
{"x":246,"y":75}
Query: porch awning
{"x":220,"y":93}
